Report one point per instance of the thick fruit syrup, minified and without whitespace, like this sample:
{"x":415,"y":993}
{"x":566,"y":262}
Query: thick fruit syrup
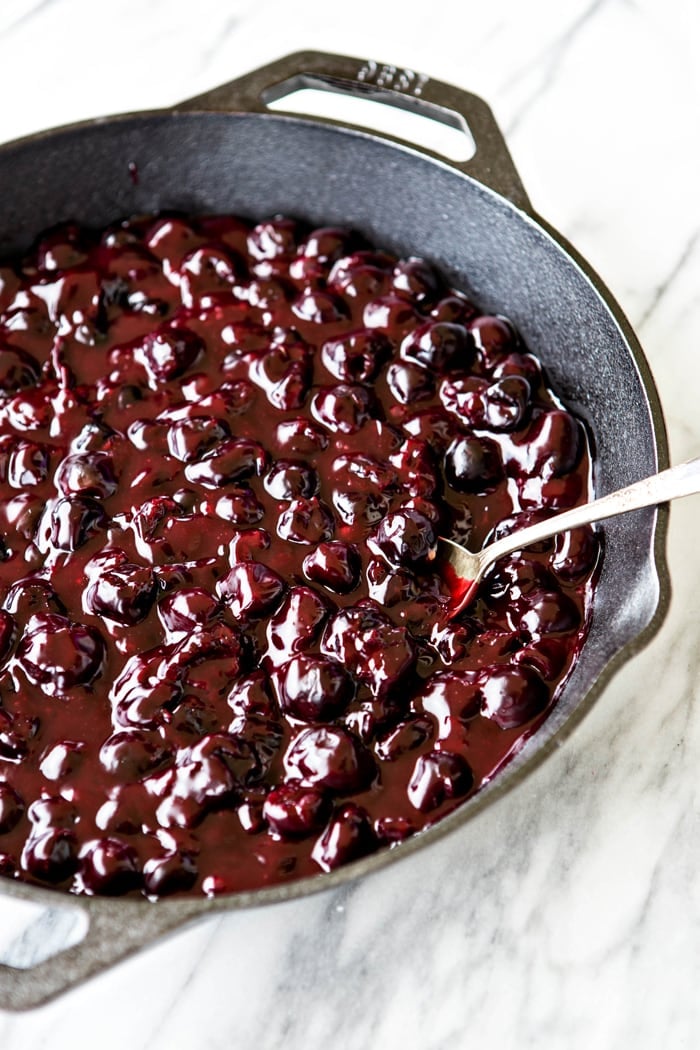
{"x":226,"y":450}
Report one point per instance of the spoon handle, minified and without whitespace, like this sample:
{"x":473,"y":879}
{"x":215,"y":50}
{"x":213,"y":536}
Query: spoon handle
{"x":681,"y":480}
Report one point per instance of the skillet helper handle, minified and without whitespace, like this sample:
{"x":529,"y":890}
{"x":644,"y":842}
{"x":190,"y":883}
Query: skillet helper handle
{"x":403,"y":88}
{"x":112,"y":935}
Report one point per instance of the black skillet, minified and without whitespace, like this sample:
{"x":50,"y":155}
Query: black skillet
{"x":225,"y":151}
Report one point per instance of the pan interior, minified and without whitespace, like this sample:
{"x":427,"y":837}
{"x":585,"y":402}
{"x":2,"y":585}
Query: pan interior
{"x":261,"y":164}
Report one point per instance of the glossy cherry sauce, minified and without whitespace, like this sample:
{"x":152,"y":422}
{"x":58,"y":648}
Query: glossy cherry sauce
{"x":226,"y":450}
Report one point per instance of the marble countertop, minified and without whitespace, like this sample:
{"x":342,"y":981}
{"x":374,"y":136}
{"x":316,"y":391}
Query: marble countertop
{"x":568,"y":915}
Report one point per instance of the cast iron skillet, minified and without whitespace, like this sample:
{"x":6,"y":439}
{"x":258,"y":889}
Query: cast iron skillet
{"x":224,"y":151}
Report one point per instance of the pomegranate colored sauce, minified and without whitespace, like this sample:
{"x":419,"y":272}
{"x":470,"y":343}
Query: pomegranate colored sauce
{"x":226,"y":451}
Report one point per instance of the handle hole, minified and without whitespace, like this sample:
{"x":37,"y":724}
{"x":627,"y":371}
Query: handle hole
{"x":442,"y":132}
{"x":31,"y":933}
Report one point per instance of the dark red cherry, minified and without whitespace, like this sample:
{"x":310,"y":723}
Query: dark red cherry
{"x":74,"y":521}
{"x":361,"y":275}
{"x":473,"y":464}
{"x":330,"y":757}
{"x":193,"y":790}
{"x":64,"y":247}
{"x":439,"y":776}
{"x":8,"y":631}
{"x":148,"y":435}
{"x":524,"y":365}
{"x":186,"y":609}
{"x":284,"y":373}
{"x":372,"y":648}
{"x":16,"y":734}
{"x":168,"y":353}
{"x":550,"y":612}
{"x":392,"y":314}
{"x":58,"y":654}
{"x":507,"y":402}
{"x":405,"y":537}
{"x":359,"y":472}
{"x":230,"y":461}
{"x":328,"y":243}
{"x":207,"y":270}
{"x":313,"y":688}
{"x":238,"y":757}
{"x":18,"y":371}
{"x":265,"y":737}
{"x":454,"y":308}
{"x":305,"y":521}
{"x":52,"y":856}
{"x":132,"y":753}
{"x":246,"y":546}
{"x":512,"y":696}
{"x":394,"y":829}
{"x":296,"y":624}
{"x":153,"y":514}
{"x":226,"y":229}
{"x":288,"y":480}
{"x":9,"y":286}
{"x":274,"y":239}
{"x":520,"y":575}
{"x":465,"y":398}
{"x":109,"y":866}
{"x":31,"y":409}
{"x":407,"y":736}
{"x":347,"y":837}
{"x":432,"y":425}
{"x":171,"y":238}
{"x":439,"y":346}
{"x":8,"y":867}
{"x":300,"y":437}
{"x":416,"y":469}
{"x":316,"y":307}
{"x":360,"y":508}
{"x":11,"y":808}
{"x":63,"y":759}
{"x":409,"y":383}
{"x":554,"y":445}
{"x":451,"y":698}
{"x":342,"y":408}
{"x":176,"y":872}
{"x":548,"y":655}
{"x":191,"y":438}
{"x":251,"y":589}
{"x":294,"y":810}
{"x":128,"y":807}
{"x":146,"y":703}
{"x":124,"y":594}
{"x":575,"y":553}
{"x":335,"y":565}
{"x":239,"y":507}
{"x":251,"y":695}
{"x":418,"y":280}
{"x":52,"y":811}
{"x":28,"y":465}
{"x":390,"y":587}
{"x":357,"y":357}
{"x":494,"y":337}
{"x":268,"y":294}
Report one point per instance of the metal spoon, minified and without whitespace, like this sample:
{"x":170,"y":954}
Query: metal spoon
{"x":463,"y":571}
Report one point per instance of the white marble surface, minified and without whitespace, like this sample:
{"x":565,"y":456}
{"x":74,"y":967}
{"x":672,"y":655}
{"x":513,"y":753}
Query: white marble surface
{"x":569,"y":914}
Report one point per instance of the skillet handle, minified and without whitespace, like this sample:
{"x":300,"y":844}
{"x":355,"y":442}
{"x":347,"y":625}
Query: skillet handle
{"x":114,"y":932}
{"x":406,"y":89}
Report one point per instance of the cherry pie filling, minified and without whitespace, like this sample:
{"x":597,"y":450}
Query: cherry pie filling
{"x":226,"y":450}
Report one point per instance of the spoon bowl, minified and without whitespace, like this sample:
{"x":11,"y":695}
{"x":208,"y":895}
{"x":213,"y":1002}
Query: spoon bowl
{"x":463,"y":570}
